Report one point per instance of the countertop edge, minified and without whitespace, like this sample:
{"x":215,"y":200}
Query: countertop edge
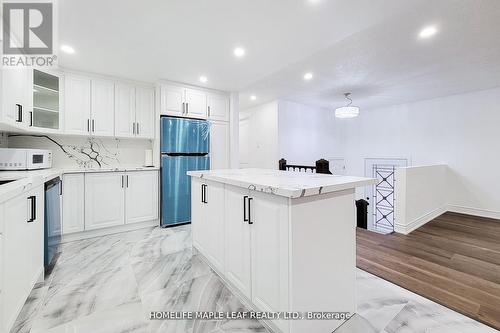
{"x":286,"y":192}
{"x":26,"y":179}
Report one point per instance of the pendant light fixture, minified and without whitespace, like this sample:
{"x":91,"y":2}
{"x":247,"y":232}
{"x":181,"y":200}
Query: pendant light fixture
{"x":347,"y":111}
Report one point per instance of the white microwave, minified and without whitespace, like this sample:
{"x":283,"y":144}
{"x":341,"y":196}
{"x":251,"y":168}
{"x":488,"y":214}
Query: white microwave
{"x":25,"y":159}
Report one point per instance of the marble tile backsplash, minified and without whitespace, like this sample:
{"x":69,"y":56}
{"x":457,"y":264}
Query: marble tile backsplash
{"x":85,"y":152}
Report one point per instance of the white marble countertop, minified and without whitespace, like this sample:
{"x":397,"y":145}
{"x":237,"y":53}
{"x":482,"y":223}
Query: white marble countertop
{"x":284,"y":183}
{"x":23,"y":180}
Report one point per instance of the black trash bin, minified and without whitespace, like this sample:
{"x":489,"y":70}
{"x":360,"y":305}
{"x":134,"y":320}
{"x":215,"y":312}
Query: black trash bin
{"x":362,"y":213}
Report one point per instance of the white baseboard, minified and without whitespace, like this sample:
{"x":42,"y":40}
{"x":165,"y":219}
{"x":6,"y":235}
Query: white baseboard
{"x":107,"y":231}
{"x":474,"y":211}
{"x":418,"y":222}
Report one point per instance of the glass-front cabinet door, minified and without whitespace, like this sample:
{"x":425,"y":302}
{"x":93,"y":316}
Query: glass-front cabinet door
{"x":46,"y":100}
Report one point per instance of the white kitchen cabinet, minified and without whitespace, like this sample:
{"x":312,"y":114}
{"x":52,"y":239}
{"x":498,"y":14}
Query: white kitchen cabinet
{"x":217,"y":107}
{"x":208,"y":203}
{"x":141,"y":197}
{"x":104,"y":199}
{"x":237,"y":240}
{"x":77,"y":105}
{"x":196,"y":104}
{"x":45,"y":101}
{"x":15,"y":97}
{"x":145,"y":112}
{"x":219,"y":145}
{"x":183,"y":102}
{"x":268,"y":217}
{"x":277,"y":241}
{"x":172,"y":100}
{"x":124,"y":110}
{"x":22,"y":262}
{"x":134,"y":111}
{"x":103,"y":108}
{"x":73,"y":198}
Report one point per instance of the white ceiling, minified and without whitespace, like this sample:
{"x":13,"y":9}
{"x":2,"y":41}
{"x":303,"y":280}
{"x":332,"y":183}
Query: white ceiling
{"x":366,"y":47}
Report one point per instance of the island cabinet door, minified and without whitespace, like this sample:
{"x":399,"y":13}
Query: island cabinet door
{"x":198,"y":212}
{"x":207,"y":219}
{"x":237,"y":240}
{"x":268,"y":218}
{"x":214,"y":222}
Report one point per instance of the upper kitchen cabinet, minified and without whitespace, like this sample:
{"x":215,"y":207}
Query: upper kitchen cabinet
{"x":15,"y":97}
{"x":172,"y":101}
{"x":218,"y":107}
{"x":183,"y":102}
{"x":134,"y":111}
{"x":196,"y":104}
{"x":144,"y":112}
{"x":89,"y":106}
{"x":124,"y":110}
{"x":77,"y":105}
{"x":102,"y":120}
{"x":45,"y":102}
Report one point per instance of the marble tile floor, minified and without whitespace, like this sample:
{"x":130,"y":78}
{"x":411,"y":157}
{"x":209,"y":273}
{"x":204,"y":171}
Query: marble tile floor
{"x":109,"y":284}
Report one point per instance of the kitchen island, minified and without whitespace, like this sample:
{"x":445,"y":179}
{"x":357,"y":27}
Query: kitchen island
{"x":284,"y":241}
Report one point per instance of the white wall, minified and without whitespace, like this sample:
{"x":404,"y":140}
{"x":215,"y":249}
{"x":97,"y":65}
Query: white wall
{"x":258,"y":136}
{"x":422,"y":195}
{"x":461,"y":131}
{"x":116,"y":152}
{"x":282,"y":129}
{"x":306,"y":133}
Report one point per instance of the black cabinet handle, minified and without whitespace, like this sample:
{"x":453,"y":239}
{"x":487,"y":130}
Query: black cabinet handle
{"x":204,"y":193}
{"x":93,"y":127}
{"x":137,"y":128}
{"x":32,"y":200}
{"x":88,"y":125}
{"x":19,"y":113}
{"x":250,"y":211}
{"x":61,"y":188}
{"x":245,"y":208}
{"x":127,"y":181}
{"x":31,"y":118}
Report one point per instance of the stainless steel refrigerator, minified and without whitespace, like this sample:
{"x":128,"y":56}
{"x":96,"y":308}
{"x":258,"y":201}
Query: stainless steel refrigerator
{"x":184,"y":147}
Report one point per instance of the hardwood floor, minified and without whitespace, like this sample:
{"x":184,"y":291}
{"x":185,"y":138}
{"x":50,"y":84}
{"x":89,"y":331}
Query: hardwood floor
{"x":453,"y":260}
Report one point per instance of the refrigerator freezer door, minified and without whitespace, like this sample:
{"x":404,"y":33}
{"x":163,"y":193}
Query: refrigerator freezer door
{"x":176,"y":187}
{"x":187,"y":136}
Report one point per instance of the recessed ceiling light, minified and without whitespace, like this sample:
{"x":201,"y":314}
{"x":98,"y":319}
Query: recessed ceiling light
{"x":67,"y":49}
{"x":239,"y":52}
{"x":203,"y":79}
{"x":308,"y":76}
{"x":253,"y":98}
{"x":428,"y":32}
